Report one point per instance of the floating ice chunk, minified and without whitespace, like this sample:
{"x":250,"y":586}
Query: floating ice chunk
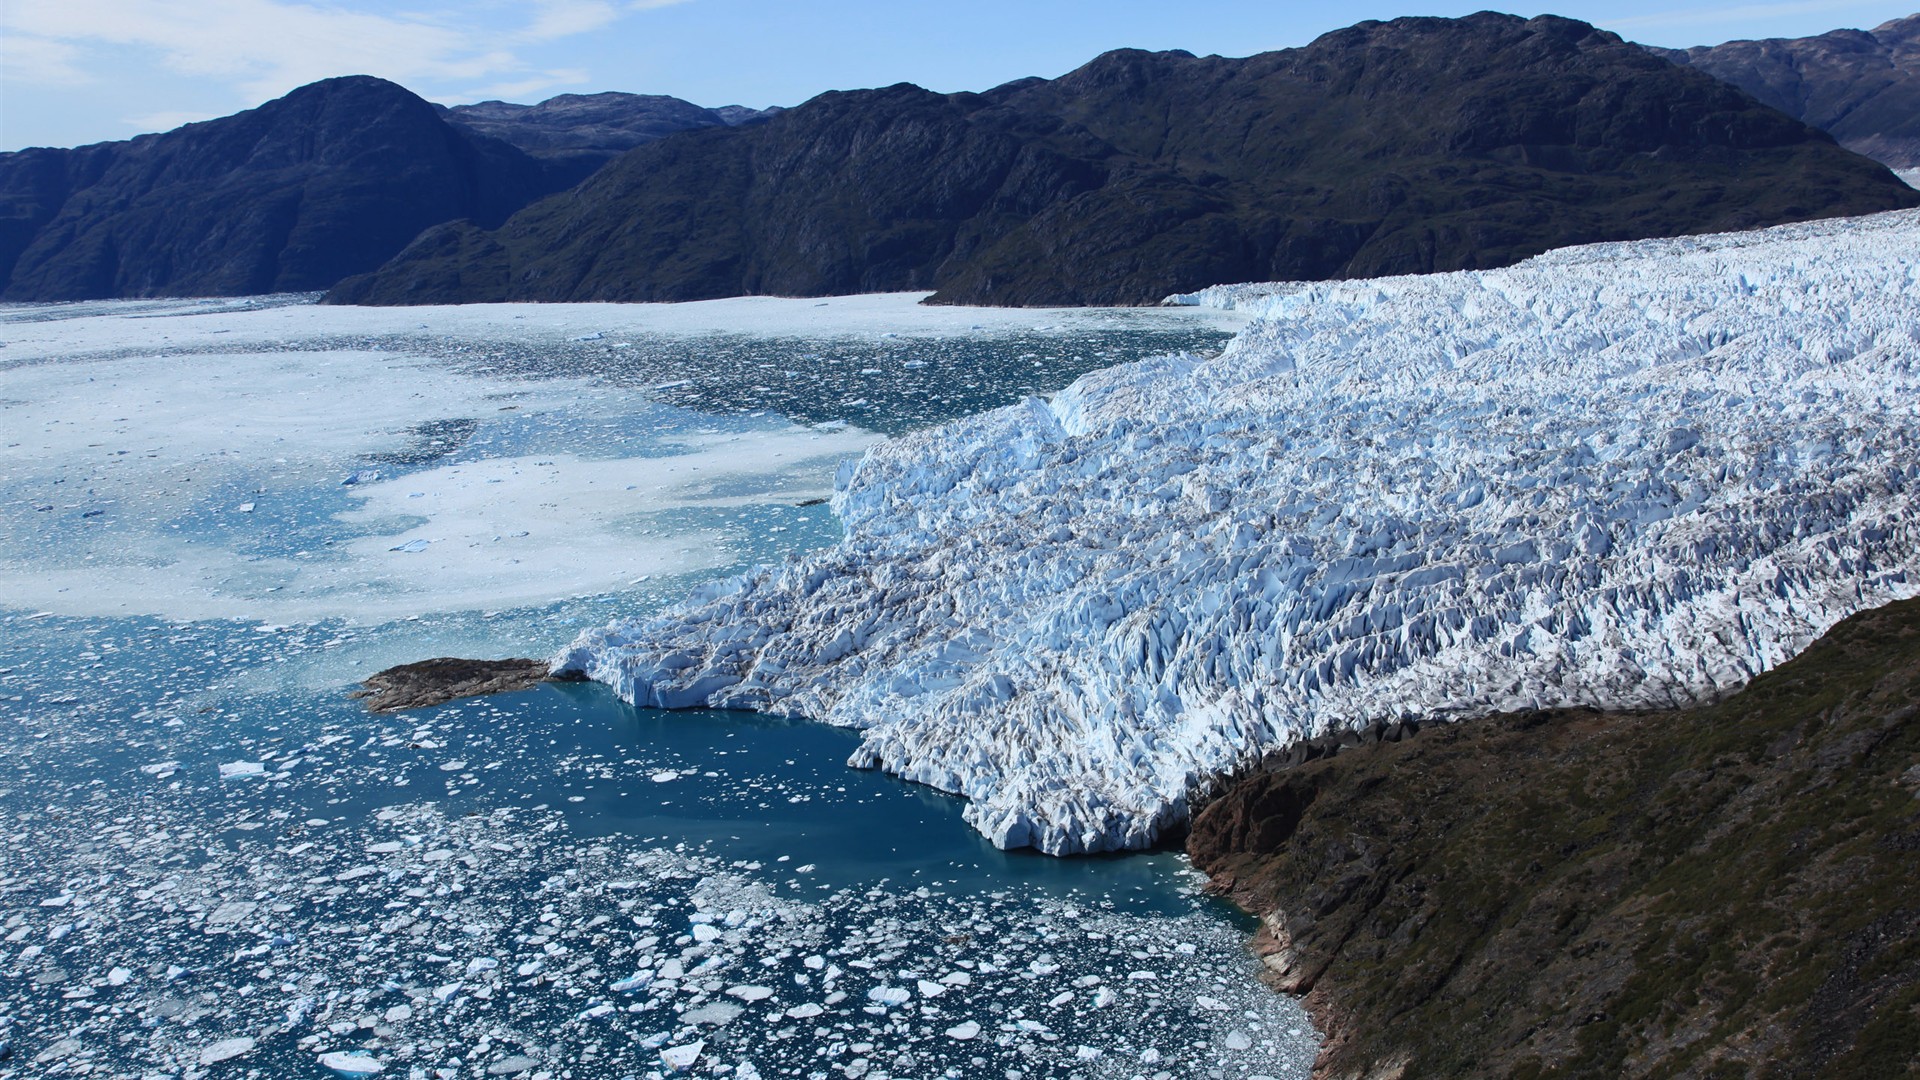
{"x":931,"y":989}
{"x":161,"y":769}
{"x":750,"y":994}
{"x":513,"y":1066}
{"x":964,"y":1032}
{"x":453,"y":766}
{"x":481,"y":963}
{"x":225,"y":1050}
{"x":398,"y":1013}
{"x":681,"y":1058}
{"x":1208,"y":1004}
{"x":57,"y":901}
{"x":245,"y":508}
{"x":119,"y":976}
{"x":637,"y":981}
{"x":957,"y":978}
{"x":704,"y":933}
{"x":1238,"y":1040}
{"x":352,"y":1063}
{"x":889,"y":995}
{"x":411,"y":546}
{"x":664,"y":777}
{"x":806,"y":1011}
{"x":1087,"y":1053}
{"x":445,"y":991}
{"x":815,"y":963}
{"x":1060,"y":999}
{"x":235,"y":769}
{"x":716,"y":1014}
{"x":362,"y":476}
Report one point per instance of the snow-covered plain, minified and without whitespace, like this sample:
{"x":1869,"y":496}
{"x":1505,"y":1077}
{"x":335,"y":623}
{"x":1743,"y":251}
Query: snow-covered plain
{"x":1616,"y":475}
{"x":156,"y":456}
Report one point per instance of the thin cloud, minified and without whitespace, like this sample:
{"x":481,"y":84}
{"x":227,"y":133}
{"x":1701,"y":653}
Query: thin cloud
{"x":263,"y":48}
{"x":528,"y":89}
{"x":1744,"y":13}
{"x":555,"y":19}
{"x":43,"y":62}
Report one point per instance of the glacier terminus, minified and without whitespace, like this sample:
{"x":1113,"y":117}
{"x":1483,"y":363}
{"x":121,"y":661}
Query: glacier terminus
{"x":1620,"y":475}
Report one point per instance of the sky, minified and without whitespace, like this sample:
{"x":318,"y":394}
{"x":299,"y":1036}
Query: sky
{"x":81,"y":71}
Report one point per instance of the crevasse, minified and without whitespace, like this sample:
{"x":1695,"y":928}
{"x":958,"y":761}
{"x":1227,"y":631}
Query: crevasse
{"x":1619,"y":475}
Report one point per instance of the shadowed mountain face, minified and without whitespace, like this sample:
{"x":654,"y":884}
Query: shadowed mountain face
{"x":585,"y":131}
{"x":1410,"y":146}
{"x":330,"y":180}
{"x":1863,"y":88}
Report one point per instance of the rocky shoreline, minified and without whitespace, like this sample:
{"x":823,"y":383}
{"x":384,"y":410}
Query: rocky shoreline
{"x":1704,"y":892}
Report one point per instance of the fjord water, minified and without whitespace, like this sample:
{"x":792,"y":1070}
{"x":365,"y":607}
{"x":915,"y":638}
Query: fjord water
{"x":224,"y":867}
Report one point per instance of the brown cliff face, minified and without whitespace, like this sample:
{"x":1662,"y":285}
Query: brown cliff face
{"x":1730,"y":891}
{"x":1862,"y":87}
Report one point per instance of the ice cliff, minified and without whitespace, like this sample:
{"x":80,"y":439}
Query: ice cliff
{"x":1618,"y":475}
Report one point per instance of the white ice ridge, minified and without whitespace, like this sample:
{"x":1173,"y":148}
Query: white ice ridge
{"x":1619,"y":475}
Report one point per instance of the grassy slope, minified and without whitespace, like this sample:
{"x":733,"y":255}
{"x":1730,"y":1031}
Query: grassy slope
{"x":1726,"y":892}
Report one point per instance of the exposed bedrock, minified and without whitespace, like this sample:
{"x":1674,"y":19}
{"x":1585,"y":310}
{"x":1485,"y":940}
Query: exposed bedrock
{"x":1620,"y":476}
{"x":1714,"y":892}
{"x":446,"y":678}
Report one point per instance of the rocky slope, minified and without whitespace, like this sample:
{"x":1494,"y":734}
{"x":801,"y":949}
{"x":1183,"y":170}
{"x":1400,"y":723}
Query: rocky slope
{"x":1626,"y":475}
{"x":1725,"y":891}
{"x":585,"y":131}
{"x":331,"y":180}
{"x":1862,"y":87}
{"x":1411,"y":146}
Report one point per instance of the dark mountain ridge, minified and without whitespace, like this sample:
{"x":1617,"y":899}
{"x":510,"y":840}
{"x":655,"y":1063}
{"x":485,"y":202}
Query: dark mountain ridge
{"x":330,"y":180}
{"x":1861,"y":87}
{"x":1410,"y":146}
{"x":588,"y":130}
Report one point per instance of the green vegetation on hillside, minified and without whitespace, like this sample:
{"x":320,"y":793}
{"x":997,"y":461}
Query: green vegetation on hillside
{"x":1724,"y":892}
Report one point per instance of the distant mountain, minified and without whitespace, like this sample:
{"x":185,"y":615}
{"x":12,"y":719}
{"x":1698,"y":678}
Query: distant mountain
{"x":332,"y":179}
{"x":588,"y":130}
{"x":1409,"y":146}
{"x":1861,"y":87}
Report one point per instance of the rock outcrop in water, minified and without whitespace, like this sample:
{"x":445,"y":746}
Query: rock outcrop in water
{"x":1717,"y":892}
{"x":443,"y":679}
{"x":330,"y":180}
{"x":1861,"y":87}
{"x":1627,"y":475}
{"x":1410,"y":146}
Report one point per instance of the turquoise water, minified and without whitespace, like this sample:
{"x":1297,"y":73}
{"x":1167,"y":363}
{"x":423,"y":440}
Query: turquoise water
{"x":222,"y":866}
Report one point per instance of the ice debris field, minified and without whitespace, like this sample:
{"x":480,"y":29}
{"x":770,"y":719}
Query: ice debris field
{"x":1618,"y":475}
{"x":232,"y":872}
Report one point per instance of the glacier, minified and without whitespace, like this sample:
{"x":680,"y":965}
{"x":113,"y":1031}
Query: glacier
{"x":1619,"y":475}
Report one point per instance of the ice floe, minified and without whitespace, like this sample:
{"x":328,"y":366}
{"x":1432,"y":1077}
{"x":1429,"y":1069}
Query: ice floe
{"x":1616,"y":475}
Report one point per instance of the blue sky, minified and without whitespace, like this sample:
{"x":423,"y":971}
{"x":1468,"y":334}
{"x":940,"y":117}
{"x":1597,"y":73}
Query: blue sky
{"x":78,"y":71}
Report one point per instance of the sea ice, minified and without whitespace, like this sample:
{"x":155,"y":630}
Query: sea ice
{"x":1622,"y":475}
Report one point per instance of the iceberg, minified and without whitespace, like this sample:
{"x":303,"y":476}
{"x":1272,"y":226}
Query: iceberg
{"x":1618,"y":475}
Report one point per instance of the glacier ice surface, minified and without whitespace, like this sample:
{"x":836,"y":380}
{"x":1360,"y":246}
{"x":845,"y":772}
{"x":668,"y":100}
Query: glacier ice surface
{"x":1619,"y":475}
